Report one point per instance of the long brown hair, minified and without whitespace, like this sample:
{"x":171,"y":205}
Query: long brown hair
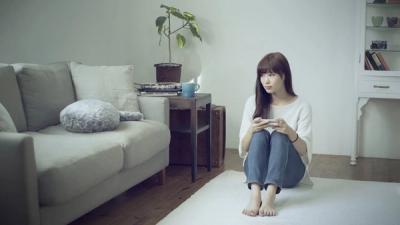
{"x":274,"y":62}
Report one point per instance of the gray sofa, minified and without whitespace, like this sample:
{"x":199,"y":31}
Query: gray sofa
{"x":51,"y":176}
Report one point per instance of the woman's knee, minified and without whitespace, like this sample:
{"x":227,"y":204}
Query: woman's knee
{"x":259,"y":141}
{"x":279,"y":137}
{"x":261,"y":136}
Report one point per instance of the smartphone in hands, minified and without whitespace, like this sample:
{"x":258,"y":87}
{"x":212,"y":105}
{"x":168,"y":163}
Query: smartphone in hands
{"x":267,"y":122}
{"x":272,"y":122}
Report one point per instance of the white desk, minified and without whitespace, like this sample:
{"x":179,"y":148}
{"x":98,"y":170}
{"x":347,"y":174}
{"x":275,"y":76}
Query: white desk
{"x":377,"y":87}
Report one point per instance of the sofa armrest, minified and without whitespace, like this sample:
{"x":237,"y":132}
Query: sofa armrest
{"x":155,"y":108}
{"x":18,"y":180}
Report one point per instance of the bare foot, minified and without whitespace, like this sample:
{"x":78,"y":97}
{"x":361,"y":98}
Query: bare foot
{"x":255,"y":201}
{"x":267,"y":207}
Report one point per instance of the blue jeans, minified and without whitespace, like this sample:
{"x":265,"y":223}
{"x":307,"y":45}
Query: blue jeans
{"x":272,"y":159}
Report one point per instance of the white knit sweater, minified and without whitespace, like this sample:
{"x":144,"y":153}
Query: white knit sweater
{"x":297,"y":115}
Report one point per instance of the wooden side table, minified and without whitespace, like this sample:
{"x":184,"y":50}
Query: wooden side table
{"x":193,"y":104}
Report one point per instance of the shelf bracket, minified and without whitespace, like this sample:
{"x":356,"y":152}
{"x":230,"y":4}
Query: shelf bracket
{"x":361,"y":103}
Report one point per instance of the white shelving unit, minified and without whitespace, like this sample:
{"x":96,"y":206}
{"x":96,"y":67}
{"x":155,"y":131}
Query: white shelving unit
{"x":376,"y":83}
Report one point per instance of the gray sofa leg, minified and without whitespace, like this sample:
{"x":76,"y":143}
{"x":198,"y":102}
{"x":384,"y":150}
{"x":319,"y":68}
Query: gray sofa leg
{"x":162,"y":176}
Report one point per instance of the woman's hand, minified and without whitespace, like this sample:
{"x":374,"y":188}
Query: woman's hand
{"x":258,"y":124}
{"x":281,"y":126}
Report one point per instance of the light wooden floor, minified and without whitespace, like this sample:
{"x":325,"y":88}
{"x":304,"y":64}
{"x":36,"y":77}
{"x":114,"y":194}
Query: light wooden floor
{"x":148,"y":202}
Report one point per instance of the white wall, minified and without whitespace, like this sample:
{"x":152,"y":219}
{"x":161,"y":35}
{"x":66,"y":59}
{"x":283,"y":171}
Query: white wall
{"x":317,"y":36}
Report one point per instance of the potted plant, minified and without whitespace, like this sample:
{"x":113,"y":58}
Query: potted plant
{"x":171,"y":72}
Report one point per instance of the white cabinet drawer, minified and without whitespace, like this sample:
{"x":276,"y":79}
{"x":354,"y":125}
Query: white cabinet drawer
{"x":379,"y":87}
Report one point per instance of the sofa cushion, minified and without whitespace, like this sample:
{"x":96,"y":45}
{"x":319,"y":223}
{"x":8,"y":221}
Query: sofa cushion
{"x":68,"y":165}
{"x":130,"y":116}
{"x":140,"y":140}
{"x":113,"y":84}
{"x":89,"y":116}
{"x":6,"y":122}
{"x":10,"y":97}
{"x":45,"y":90}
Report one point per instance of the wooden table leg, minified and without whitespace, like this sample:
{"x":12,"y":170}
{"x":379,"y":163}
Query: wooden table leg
{"x":209,"y":136}
{"x":162,"y":176}
{"x":193,"y":139}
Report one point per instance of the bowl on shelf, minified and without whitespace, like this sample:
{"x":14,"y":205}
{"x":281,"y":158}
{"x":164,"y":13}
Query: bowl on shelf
{"x":378,"y":44}
{"x":377,"y":20}
{"x":392,"y":21}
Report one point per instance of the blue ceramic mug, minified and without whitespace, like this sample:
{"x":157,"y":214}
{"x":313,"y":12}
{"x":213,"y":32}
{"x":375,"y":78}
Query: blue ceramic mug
{"x":188,"y":89}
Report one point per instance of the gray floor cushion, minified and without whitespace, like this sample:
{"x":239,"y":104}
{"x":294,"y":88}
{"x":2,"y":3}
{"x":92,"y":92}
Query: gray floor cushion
{"x":89,"y":115}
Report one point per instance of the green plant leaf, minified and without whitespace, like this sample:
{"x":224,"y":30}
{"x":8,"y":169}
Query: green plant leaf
{"x":194,"y":28}
{"x":188,"y":16}
{"x":164,"y":6}
{"x":181,"y":40}
{"x":173,"y":9}
{"x":160,"y":22}
{"x":178,"y":14}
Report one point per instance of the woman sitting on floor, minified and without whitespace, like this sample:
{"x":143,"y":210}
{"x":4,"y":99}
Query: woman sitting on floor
{"x":275,"y":136}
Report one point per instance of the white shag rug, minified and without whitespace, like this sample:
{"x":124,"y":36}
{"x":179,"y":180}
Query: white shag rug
{"x":327,"y":202}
